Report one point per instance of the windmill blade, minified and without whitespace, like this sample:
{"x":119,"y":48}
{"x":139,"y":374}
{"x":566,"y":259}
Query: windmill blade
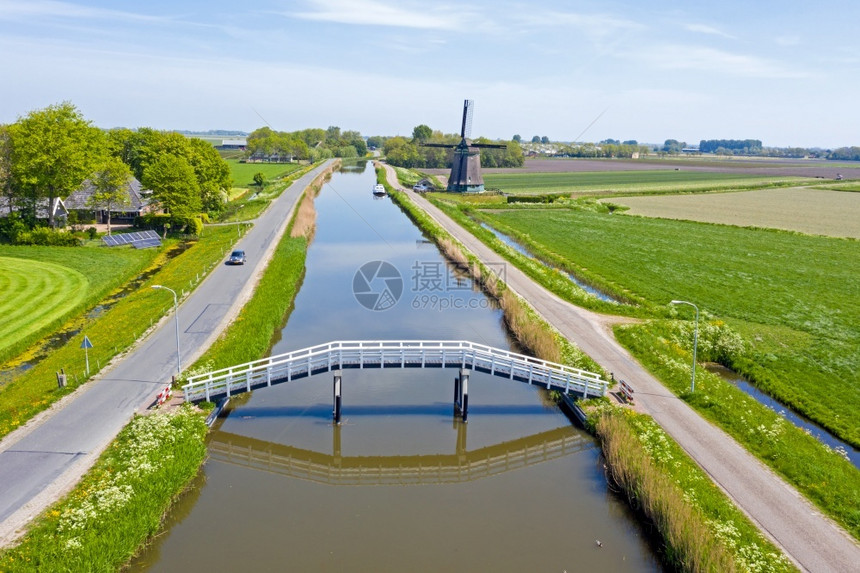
{"x":448,"y":145}
{"x":489,"y":145}
{"x":468,"y":110}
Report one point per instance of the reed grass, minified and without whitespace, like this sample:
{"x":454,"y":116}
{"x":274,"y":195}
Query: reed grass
{"x":701,"y":528}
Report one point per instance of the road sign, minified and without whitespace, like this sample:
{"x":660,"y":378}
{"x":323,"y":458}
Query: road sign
{"x":86,"y":344}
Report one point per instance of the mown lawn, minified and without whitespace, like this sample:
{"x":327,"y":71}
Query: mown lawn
{"x":793,"y":297}
{"x":42,"y":286}
{"x":626,"y":181}
{"x":243,"y":173}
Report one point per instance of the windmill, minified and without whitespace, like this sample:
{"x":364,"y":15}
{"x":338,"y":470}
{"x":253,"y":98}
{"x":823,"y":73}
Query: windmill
{"x":466,"y":164}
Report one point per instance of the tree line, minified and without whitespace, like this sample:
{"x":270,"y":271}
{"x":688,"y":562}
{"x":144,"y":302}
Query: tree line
{"x":266,"y":144}
{"x":49,"y":153}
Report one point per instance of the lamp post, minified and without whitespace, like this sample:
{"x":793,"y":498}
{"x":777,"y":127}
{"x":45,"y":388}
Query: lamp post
{"x":695,"y":342}
{"x":176,"y":316}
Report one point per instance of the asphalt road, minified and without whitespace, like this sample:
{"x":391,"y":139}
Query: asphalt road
{"x":44,"y":459}
{"x":811,"y":540}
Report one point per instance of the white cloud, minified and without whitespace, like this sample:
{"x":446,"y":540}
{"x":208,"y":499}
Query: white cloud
{"x":34,"y":10}
{"x":679,"y":57}
{"x":709,"y":30}
{"x":375,"y":13}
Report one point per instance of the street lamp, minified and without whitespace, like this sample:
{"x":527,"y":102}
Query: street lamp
{"x":176,"y":316}
{"x":695,"y":342}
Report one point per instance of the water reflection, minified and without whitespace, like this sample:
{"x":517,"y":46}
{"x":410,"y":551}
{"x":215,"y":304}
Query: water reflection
{"x":335,"y":468}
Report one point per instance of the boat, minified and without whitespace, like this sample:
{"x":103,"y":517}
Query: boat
{"x":379,"y":189}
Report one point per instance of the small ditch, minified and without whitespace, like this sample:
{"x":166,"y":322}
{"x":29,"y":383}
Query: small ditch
{"x":813,"y":429}
{"x":523,"y":250}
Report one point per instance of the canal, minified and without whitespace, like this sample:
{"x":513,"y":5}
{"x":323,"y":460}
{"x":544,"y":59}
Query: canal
{"x":401,"y":484}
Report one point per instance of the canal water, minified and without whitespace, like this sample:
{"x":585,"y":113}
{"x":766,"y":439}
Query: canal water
{"x":401,"y":484}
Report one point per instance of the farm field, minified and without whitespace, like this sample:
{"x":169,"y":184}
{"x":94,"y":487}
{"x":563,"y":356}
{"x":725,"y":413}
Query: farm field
{"x":243,"y":173}
{"x":624,"y":181}
{"x":793,"y":297}
{"x":806,"y":210}
{"x":42,"y":286}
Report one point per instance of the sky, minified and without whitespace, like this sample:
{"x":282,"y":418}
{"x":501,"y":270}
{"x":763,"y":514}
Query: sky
{"x":785,"y":72}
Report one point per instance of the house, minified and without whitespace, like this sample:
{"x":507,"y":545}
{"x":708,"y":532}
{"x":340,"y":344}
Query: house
{"x":139,"y":203}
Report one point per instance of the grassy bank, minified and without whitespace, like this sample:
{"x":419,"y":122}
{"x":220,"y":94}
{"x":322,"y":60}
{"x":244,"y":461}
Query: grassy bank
{"x":701,"y":528}
{"x":824,"y":476}
{"x":120,"y":502}
{"x":112,"y":331}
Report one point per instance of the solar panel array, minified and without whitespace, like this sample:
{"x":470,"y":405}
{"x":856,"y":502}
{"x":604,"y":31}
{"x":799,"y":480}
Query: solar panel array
{"x":141,"y":240}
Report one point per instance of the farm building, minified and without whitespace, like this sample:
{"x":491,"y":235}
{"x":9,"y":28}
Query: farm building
{"x":138,"y":203}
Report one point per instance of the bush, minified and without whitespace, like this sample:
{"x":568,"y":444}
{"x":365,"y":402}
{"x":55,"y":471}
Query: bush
{"x":11,"y":227}
{"x":92,"y":232}
{"x":48,"y":237}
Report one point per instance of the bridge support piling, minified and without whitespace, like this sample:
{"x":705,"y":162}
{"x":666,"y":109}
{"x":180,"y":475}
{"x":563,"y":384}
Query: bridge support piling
{"x":464,"y":394}
{"x":457,"y":395}
{"x":337,"y":396}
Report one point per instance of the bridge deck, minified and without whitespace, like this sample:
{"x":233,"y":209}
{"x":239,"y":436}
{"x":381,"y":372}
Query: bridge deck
{"x":342,"y":355}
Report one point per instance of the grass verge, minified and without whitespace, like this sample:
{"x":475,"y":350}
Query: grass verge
{"x":701,"y":528}
{"x":120,"y":502}
{"x":823,"y":475}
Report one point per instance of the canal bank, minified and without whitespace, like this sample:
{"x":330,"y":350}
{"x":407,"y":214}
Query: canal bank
{"x":278,"y":466}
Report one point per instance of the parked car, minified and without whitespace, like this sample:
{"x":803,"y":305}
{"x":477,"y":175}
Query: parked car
{"x":419,"y":188}
{"x":236,"y":258}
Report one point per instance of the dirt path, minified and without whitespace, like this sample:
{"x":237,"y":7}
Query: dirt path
{"x":810,"y":539}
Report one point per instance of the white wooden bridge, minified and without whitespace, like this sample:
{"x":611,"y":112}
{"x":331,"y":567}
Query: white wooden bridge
{"x":341,"y":355}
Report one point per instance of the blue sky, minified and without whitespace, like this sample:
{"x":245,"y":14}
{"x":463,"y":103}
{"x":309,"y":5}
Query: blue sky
{"x":786,"y":72}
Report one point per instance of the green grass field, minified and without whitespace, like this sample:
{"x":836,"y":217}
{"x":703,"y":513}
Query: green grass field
{"x":42,"y":286}
{"x":243,"y":173}
{"x":626,"y":181}
{"x":792,"y":296}
{"x":35,"y":294}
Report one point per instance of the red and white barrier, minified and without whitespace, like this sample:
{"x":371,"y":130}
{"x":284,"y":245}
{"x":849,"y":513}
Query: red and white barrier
{"x":164,"y":395}
{"x":626,"y":391}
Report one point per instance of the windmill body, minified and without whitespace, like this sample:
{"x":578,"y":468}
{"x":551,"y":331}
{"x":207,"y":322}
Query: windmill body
{"x":466,"y":165}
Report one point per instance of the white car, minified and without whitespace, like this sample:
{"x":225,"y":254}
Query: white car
{"x":419,"y":188}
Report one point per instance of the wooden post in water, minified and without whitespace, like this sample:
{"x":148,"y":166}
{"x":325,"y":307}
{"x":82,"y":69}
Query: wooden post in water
{"x":464,"y":393}
{"x":457,"y":395}
{"x":337,"y":396}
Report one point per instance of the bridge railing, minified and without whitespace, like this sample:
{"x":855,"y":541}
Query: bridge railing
{"x":392,"y":354}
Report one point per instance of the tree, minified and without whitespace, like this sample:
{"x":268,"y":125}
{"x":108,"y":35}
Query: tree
{"x":544,"y":139}
{"x":259,"y":178}
{"x":536,"y":139}
{"x":422,"y":133}
{"x":110,"y":186}
{"x":174,"y":186}
{"x":517,"y":138}
{"x":53,"y":151}
{"x":6,"y":166}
